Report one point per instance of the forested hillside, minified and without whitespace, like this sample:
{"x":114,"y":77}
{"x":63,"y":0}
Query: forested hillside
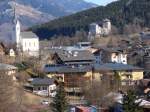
{"x":121,"y":12}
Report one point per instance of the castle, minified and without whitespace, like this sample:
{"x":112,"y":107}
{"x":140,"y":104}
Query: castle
{"x":100,"y":29}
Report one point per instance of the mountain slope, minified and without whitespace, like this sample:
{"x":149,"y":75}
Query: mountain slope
{"x":32,"y":12}
{"x":121,"y":12}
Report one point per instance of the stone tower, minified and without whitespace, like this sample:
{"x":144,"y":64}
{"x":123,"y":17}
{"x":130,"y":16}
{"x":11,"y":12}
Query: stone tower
{"x":107,"y":25}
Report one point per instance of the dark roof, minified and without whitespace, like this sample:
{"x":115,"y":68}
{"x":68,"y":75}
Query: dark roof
{"x":75,"y":55}
{"x":67,"y":69}
{"x":42,"y":81}
{"x":7,"y":67}
{"x":115,"y":66}
{"x":28,"y":34}
{"x":145,"y":35}
{"x":112,"y":50}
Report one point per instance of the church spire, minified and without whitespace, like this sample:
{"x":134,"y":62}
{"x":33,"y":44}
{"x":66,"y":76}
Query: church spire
{"x":14,"y":12}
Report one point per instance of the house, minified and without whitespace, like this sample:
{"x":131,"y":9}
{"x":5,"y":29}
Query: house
{"x":145,"y":38}
{"x":44,"y":86}
{"x":129,"y":74}
{"x":11,"y":53}
{"x":82,"y":108}
{"x":74,"y":58}
{"x":113,"y":55}
{"x":72,"y":76}
{"x":99,"y":29}
{"x":10,"y":70}
{"x":83,"y":45}
{"x":98,"y":56}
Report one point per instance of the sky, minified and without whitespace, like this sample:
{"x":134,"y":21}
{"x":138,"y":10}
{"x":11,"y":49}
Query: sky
{"x":100,"y":2}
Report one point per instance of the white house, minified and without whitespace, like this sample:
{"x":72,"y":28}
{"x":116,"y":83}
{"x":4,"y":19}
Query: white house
{"x":11,"y":53}
{"x":44,"y":86}
{"x":119,"y":58}
{"x":114,"y":55}
{"x":100,"y":29}
{"x":26,"y":42}
{"x":9,"y":70}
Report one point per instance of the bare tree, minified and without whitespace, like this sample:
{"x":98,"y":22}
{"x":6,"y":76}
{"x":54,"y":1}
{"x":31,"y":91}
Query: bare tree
{"x":6,"y":92}
{"x":10,"y":94}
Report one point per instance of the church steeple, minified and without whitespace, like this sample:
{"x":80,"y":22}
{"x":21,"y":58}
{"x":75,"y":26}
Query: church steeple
{"x":17,"y":29}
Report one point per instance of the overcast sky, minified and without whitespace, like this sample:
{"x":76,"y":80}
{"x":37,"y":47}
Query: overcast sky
{"x":100,"y":2}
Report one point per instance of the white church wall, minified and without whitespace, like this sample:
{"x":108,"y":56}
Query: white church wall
{"x":30,"y":44}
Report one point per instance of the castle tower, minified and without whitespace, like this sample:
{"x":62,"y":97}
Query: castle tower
{"x":107,"y":24}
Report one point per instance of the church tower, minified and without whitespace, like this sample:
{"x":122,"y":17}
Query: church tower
{"x":17,"y":33}
{"x":16,"y":30}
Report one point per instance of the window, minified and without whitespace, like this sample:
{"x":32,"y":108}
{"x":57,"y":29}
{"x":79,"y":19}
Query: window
{"x":124,"y":56}
{"x":39,"y":88}
{"x":44,"y":88}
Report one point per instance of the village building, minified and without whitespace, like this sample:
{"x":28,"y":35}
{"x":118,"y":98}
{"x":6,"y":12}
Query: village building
{"x":114,"y":55}
{"x":99,"y":29}
{"x":43,"y":86}
{"x":12,"y":53}
{"x":83,"y":45}
{"x":145,"y":38}
{"x":107,"y":55}
{"x":129,"y":74}
{"x":73,"y":77}
{"x":9,"y":70}
{"x":97,"y":55}
{"x":26,"y":42}
{"x":73,"y":58}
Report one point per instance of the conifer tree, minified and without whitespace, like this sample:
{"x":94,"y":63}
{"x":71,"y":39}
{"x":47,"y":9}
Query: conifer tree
{"x":59,"y":103}
{"x":130,"y":104}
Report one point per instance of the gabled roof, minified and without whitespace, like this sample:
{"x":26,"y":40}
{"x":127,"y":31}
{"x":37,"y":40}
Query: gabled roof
{"x":146,"y":37}
{"x":67,"y":69}
{"x":113,"y":50}
{"x":7,"y":67}
{"x":115,"y":66}
{"x":28,"y":34}
{"x":42,"y":81}
{"x":75,"y":55}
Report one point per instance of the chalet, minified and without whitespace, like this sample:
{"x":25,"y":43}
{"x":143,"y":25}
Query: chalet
{"x":83,"y":45}
{"x":72,"y":76}
{"x":10,"y":70}
{"x":73,"y":58}
{"x":44,"y":86}
{"x":129,"y":74}
{"x":113,"y":55}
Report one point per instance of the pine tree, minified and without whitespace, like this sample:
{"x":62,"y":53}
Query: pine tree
{"x":129,"y":103}
{"x":59,"y":103}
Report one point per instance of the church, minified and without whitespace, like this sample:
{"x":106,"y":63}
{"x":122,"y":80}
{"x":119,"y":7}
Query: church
{"x":26,"y":42}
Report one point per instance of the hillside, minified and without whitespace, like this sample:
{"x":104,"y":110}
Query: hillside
{"x":33,"y":12}
{"x":121,"y":12}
